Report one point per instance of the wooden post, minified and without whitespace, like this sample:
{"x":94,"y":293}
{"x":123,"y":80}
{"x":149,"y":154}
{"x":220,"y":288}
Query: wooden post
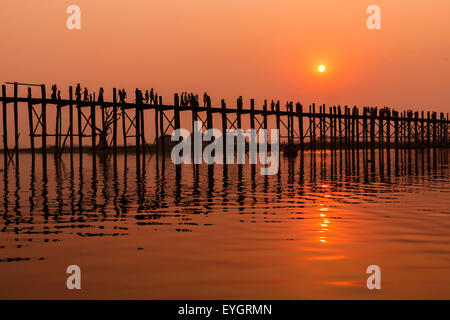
{"x":300,"y":124}
{"x":161,"y":127}
{"x":265,"y":115}
{"x":372,"y":128}
{"x":30,"y":121}
{"x":57,"y":133}
{"x":396,"y":133}
{"x":321,"y":127}
{"x":347,"y":127}
{"x":124,"y":129}
{"x":335,"y":127}
{"x":5,"y":126}
{"x":388,"y":131}
{"x":291,"y":123}
{"x":434,"y":128}
{"x":156,"y":130}
{"x":115,"y":122}
{"x":381,"y":129}
{"x":224,"y":129}
{"x":409,"y":116}
{"x":16,"y":120}
{"x":238,"y":113}
{"x":357,"y":127}
{"x":312,"y":128}
{"x":71,"y":120}
{"x":209,"y":118}
{"x":80,"y":128}
{"x":137,"y":126}
{"x":44,"y":124}
{"x":278,"y":116}
{"x":143,"y":131}
{"x":340,"y":126}
{"x":353,"y":135}
{"x":93,"y":130}
{"x":252,"y":114}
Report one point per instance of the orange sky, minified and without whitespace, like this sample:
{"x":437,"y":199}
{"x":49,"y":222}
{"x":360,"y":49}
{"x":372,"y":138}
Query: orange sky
{"x":254,"y":48}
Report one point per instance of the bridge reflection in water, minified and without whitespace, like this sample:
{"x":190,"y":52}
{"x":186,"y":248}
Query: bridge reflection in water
{"x":198,"y":231}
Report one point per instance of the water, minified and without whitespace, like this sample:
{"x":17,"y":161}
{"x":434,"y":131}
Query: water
{"x":199,"y":232}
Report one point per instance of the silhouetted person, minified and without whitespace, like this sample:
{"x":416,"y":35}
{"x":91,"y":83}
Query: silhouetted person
{"x":152,"y":96}
{"x":59,"y":94}
{"x":205,"y":100}
{"x":147,"y":96}
{"x":100,"y":95}
{"x":53,"y":92}
{"x":122,"y":95}
{"x":85,"y":94}
{"x":139,"y":96}
{"x":78,"y":92}
{"x":121,"y":99}
{"x":239,"y":102}
{"x":272,"y":106}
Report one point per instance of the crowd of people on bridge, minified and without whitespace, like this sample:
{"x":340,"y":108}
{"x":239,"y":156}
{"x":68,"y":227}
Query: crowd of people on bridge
{"x":192,"y":100}
{"x":149,"y":97}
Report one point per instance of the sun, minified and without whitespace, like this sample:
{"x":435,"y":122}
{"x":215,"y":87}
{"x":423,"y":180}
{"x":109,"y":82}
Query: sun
{"x":321,"y":68}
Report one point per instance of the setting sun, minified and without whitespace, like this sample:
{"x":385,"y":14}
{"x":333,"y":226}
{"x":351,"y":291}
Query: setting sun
{"x":321,"y":68}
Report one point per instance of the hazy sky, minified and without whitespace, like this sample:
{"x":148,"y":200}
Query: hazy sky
{"x":254,"y":48}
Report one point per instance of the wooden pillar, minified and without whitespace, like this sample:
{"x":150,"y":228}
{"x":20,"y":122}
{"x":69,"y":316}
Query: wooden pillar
{"x":115,"y":122}
{"x":353,"y":135}
{"x":57,"y":127}
{"x":224,"y":129}
{"x":137,"y":126}
{"x":209,"y":118}
{"x":396,"y":129}
{"x":434,"y":129}
{"x":161,"y":127}
{"x":176,"y":111}
{"x":5,"y":125}
{"x":143,"y":130}
{"x":291,"y":123}
{"x":93,"y":130}
{"x":44,"y":124}
{"x":156,"y":130}
{"x":124,"y":129}
{"x":80,"y":128}
{"x":357,"y":127}
{"x":335,"y":127}
{"x":321,"y":126}
{"x":265,"y":115}
{"x":313,"y":127}
{"x":71,"y":120}
{"x":16,"y":120}
{"x":277,"y":115}
{"x":300,"y":124}
{"x":381,"y":129}
{"x":252,"y":114}
{"x":388,"y":130}
{"x":238,"y":114}
{"x":372,"y":127}
{"x":30,"y":121}
{"x":340,"y":126}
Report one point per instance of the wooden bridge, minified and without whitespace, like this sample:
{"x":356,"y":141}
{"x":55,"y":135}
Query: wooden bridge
{"x":312,"y":128}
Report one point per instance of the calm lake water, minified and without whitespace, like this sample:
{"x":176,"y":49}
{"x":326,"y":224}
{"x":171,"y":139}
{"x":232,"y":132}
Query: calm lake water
{"x":156,"y":231}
